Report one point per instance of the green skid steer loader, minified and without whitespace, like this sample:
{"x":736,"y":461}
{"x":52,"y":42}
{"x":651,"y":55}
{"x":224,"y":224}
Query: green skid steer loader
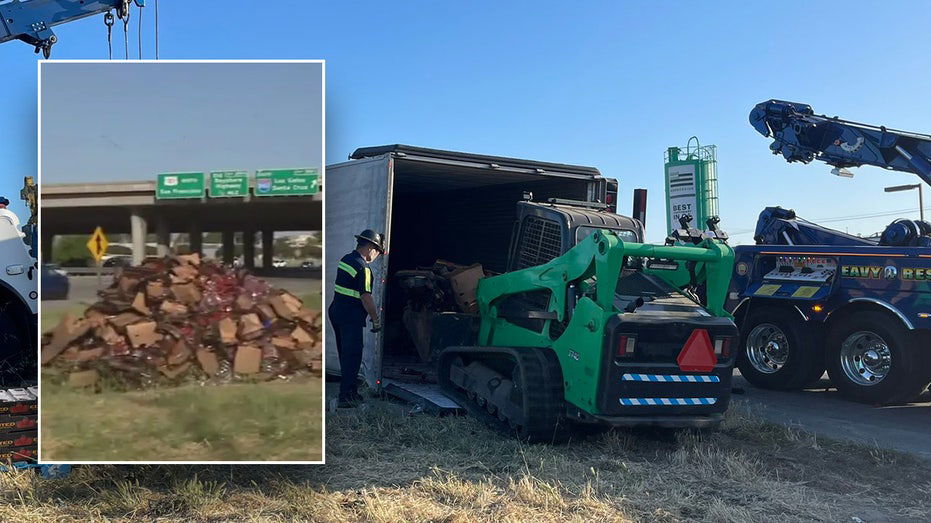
{"x":610,"y":333}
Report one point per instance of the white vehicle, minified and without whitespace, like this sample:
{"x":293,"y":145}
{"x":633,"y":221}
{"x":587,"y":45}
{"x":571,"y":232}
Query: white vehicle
{"x":19,"y":295}
{"x":279,"y":263}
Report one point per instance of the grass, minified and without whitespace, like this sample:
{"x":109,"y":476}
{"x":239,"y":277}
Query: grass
{"x":386,"y":465}
{"x":312,"y":301}
{"x":241,"y":422}
{"x":52,"y":312}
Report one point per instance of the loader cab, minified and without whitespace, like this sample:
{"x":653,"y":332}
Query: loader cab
{"x":545,"y":230}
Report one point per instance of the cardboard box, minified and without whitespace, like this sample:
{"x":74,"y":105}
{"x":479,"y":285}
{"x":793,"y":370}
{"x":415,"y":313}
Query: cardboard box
{"x":208,"y":361}
{"x":227,"y":329}
{"x":464,"y":283}
{"x":155,"y":290}
{"x":18,"y":423}
{"x":68,"y":330}
{"x":83,"y":378}
{"x":143,"y":334}
{"x":189,"y":259}
{"x":301,"y":336}
{"x":249,"y":324}
{"x":26,"y":438}
{"x":186,"y":293}
{"x":140,"y":306}
{"x":19,"y":454}
{"x":179,"y":353}
{"x":248,"y":360}
{"x":173,"y":309}
{"x":172,"y":372}
{"x":18,"y":401}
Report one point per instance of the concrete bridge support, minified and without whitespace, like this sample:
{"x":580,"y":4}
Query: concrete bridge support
{"x":139,"y":231}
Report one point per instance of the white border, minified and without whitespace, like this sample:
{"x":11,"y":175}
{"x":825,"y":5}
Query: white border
{"x":322,"y":175}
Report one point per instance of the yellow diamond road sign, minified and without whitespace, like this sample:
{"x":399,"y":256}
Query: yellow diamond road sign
{"x":97,"y":244}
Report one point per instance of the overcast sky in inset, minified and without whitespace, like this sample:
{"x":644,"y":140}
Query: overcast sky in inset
{"x":112,"y":121}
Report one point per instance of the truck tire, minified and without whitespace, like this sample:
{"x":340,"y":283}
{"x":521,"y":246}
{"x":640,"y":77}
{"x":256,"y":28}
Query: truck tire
{"x":779,"y":350}
{"x":15,"y":345}
{"x":872,"y":359}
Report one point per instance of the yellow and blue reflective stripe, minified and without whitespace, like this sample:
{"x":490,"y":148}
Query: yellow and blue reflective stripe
{"x":368,"y":280}
{"x":348,"y":268}
{"x":347,"y":292}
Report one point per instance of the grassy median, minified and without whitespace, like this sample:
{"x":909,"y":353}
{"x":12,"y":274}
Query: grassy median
{"x":271,"y":421}
{"x":384,"y":464}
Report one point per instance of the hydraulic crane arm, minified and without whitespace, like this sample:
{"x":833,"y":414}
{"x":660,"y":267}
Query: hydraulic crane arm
{"x":32,"y":20}
{"x":800,"y":135}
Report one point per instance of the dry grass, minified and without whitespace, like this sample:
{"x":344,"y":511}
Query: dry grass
{"x":384,"y":465}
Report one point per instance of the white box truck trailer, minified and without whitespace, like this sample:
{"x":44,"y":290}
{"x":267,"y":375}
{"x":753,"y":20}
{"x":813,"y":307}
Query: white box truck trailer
{"x":434,"y":204}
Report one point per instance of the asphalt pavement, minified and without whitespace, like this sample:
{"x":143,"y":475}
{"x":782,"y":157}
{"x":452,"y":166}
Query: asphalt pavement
{"x":823,"y":411}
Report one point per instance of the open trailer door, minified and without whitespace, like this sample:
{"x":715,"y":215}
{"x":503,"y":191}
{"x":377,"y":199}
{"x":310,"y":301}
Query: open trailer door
{"x":358,"y":195}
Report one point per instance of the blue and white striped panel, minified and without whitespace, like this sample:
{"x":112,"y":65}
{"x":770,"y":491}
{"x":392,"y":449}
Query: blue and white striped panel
{"x":670,"y":378}
{"x":639,"y":402}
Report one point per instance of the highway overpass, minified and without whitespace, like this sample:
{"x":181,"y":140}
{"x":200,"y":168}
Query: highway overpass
{"x":131,"y":208}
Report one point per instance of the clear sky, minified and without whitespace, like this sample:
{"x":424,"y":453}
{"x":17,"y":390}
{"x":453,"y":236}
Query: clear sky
{"x":607,"y":84}
{"x":129,"y":121}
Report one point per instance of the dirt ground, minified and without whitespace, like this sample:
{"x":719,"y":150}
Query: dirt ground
{"x":384,"y":464}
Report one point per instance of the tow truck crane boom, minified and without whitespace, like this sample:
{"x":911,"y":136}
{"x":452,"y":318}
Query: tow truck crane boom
{"x":802,"y":136}
{"x":31,"y":21}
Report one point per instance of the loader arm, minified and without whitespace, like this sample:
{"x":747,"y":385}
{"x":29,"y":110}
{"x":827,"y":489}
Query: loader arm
{"x":601,"y":255}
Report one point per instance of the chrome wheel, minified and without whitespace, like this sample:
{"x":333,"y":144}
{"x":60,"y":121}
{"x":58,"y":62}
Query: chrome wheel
{"x":767,"y":348}
{"x":865,"y":358}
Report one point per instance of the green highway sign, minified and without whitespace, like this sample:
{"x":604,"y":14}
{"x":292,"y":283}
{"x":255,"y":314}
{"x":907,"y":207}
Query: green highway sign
{"x":286,"y":182}
{"x":179,"y":185}
{"x":229,"y":184}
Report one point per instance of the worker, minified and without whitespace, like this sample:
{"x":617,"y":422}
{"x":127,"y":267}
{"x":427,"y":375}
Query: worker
{"x":10,"y":215}
{"x":352,"y":302}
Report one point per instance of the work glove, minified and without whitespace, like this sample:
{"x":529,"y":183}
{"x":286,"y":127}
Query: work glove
{"x":376,"y":325}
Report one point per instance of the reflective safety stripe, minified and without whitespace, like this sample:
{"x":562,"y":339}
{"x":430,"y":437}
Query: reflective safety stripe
{"x":348,"y":292}
{"x":368,"y":280}
{"x":639,"y":402}
{"x":348,"y":268}
{"x":671,"y":378}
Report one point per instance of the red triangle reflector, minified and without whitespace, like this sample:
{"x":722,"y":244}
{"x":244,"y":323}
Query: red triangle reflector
{"x":698,"y":353}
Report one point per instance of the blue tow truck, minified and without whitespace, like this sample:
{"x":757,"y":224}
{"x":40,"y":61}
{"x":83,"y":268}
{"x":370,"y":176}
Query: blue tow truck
{"x":808,"y":298}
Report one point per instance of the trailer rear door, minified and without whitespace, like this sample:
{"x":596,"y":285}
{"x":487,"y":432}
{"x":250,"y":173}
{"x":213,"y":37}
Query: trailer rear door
{"x":358,"y":197}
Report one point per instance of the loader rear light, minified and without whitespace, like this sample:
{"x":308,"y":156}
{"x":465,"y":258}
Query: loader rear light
{"x":625,"y":346}
{"x":722,"y":348}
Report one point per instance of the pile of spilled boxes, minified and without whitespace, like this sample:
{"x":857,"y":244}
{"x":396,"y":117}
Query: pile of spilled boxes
{"x":180,"y":319}
{"x":18,"y":425}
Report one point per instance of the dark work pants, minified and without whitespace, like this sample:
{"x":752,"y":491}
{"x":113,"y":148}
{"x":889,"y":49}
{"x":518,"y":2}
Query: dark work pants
{"x":349,"y":346}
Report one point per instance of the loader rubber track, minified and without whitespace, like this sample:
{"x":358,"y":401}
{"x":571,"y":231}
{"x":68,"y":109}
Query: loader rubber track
{"x":538,"y":414}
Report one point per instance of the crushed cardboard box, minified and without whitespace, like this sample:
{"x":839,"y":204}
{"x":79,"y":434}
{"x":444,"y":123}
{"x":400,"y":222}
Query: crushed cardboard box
{"x":181,"y":318}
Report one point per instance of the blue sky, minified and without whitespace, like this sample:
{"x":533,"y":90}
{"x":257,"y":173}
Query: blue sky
{"x":607,"y":84}
{"x":117,"y":121}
